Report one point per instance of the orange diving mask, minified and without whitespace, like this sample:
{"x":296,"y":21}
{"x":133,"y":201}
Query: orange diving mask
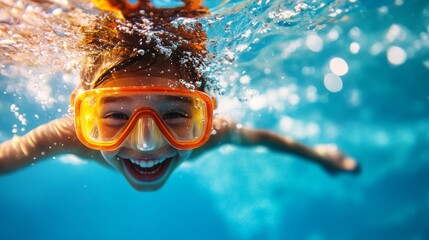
{"x":105,"y":117}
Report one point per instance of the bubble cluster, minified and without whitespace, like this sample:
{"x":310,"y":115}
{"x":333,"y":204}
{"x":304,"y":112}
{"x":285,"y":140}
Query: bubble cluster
{"x":47,"y":32}
{"x":239,"y":28}
{"x":21,"y":117}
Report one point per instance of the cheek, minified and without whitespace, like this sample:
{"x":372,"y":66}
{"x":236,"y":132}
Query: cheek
{"x":110,"y":157}
{"x":184,"y":154}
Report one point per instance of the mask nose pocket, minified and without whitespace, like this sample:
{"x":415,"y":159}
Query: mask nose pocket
{"x":146,"y":135}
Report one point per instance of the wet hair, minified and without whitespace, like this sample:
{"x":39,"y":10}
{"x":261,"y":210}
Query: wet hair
{"x":127,"y":34}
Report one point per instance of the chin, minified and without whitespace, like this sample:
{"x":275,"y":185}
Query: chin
{"x":146,"y":187}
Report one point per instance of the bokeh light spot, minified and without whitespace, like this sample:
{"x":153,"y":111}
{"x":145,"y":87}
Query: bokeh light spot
{"x":393,"y":33}
{"x":333,"y":82}
{"x":333,"y":35}
{"x":338,"y":66}
{"x":314,"y":43}
{"x":376,"y":48}
{"x":354,"y":47}
{"x":396,"y":55}
{"x":426,"y":63}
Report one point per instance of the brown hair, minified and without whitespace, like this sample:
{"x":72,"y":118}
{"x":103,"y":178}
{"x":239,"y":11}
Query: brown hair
{"x":129,"y":33}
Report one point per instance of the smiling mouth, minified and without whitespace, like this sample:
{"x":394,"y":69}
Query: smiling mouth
{"x":147,"y":170}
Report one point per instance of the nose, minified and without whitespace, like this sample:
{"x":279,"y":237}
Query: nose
{"x":146,"y":135}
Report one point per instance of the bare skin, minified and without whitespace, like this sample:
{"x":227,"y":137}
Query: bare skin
{"x":326,"y":155}
{"x":21,"y":151}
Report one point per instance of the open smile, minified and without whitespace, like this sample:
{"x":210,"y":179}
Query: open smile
{"x":147,"y":170}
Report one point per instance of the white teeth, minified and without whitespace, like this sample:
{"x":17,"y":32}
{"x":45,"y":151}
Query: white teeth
{"x":147,"y":164}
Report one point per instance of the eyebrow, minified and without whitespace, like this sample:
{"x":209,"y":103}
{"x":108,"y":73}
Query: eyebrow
{"x":176,"y":98}
{"x":110,"y":99}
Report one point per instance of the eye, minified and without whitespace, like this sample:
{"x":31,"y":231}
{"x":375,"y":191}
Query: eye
{"x":174,"y":115}
{"x":116,"y":116}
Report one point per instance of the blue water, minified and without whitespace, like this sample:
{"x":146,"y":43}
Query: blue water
{"x":380,"y":116}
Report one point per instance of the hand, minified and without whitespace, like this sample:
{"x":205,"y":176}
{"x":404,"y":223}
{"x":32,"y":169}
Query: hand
{"x":334,"y":161}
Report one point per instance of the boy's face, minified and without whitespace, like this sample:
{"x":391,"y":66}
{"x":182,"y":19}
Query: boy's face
{"x":145,"y":169}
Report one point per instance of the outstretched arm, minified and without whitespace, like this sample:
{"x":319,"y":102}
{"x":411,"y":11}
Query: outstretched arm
{"x":328,"y":156}
{"x":55,"y":137}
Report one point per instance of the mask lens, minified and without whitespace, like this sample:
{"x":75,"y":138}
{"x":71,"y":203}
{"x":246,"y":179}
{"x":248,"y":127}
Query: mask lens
{"x":184,"y":117}
{"x":97,"y":123}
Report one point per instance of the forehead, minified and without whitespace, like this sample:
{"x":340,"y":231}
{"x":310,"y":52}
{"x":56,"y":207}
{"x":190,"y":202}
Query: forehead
{"x":160,"y":73}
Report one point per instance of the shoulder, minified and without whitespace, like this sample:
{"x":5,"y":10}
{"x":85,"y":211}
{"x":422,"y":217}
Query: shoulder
{"x":222,"y":123}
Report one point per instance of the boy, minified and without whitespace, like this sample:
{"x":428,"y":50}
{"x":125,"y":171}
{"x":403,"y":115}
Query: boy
{"x":134,"y":110}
